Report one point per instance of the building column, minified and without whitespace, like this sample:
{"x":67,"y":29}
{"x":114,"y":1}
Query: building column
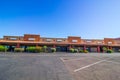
{"x":84,"y":48}
{"x":70,"y":46}
{"x":98,"y":49}
{"x":18,"y":45}
{"x":36,"y":45}
{"x":54,"y":46}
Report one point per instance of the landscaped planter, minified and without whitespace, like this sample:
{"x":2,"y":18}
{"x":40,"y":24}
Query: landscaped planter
{"x":19,"y":50}
{"x":34,"y":49}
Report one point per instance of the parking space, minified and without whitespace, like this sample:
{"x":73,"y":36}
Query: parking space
{"x":94,"y":66}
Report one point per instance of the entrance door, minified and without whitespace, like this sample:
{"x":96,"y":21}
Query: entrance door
{"x":11,"y":48}
{"x":61,"y":49}
{"x":88,"y":49}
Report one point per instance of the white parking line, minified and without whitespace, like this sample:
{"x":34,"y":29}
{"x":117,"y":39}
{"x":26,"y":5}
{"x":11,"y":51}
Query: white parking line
{"x":62,"y":59}
{"x":88,"y":66}
{"x":113,"y":62}
{"x":78,"y":59}
{"x":76,"y":70}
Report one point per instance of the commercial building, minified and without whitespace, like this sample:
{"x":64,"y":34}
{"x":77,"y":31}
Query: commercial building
{"x":61,"y":44}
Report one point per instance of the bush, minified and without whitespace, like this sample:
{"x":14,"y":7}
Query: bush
{"x":53,"y":49}
{"x":85,"y":51}
{"x":118,"y":50}
{"x":104,"y":49}
{"x":30,"y":49}
{"x":34,"y":49}
{"x":38,"y":49}
{"x":3,"y":48}
{"x":44,"y":48}
{"x":76,"y":50}
{"x":81,"y":51}
{"x":72,"y":50}
{"x":109,"y":51}
{"x":19,"y":50}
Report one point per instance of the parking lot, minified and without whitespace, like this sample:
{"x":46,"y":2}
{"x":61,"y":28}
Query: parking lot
{"x":60,"y":66}
{"x":94,"y":66}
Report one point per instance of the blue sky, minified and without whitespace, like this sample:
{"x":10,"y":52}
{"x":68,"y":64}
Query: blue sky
{"x":60,"y":18}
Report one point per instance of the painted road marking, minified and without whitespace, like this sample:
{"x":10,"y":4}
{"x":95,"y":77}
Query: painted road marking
{"x":62,"y":59}
{"x":76,"y":70}
{"x":94,"y":64}
{"x":113,"y":62}
{"x":68,"y":59}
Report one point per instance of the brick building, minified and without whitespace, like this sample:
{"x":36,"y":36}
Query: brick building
{"x":61,"y":44}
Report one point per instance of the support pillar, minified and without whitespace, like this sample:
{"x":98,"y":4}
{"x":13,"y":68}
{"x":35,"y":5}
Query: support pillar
{"x":54,"y":46}
{"x":18,"y":45}
{"x":70,"y":46}
{"x":84,"y":48}
{"x":36,"y":45}
{"x":98,"y":49}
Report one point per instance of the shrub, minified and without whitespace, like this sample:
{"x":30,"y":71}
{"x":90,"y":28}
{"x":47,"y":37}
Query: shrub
{"x":85,"y":51}
{"x":34,"y":49}
{"x":118,"y":50}
{"x":19,"y":50}
{"x":109,"y":51}
{"x":31,"y":49}
{"x":81,"y":51}
{"x":53,"y":49}
{"x":45,"y":48}
{"x":38,"y":49}
{"x":3,"y":48}
{"x":104,"y":49}
{"x":76,"y":50}
{"x":72,"y":50}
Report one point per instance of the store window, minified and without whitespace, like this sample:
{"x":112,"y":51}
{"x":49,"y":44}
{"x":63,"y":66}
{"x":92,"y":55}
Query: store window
{"x":109,"y":42}
{"x":99,"y":42}
{"x":88,"y":41}
{"x":48,"y":40}
{"x":59,"y":40}
{"x":31,"y":38}
{"x":74,"y":41}
{"x":13,"y":38}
